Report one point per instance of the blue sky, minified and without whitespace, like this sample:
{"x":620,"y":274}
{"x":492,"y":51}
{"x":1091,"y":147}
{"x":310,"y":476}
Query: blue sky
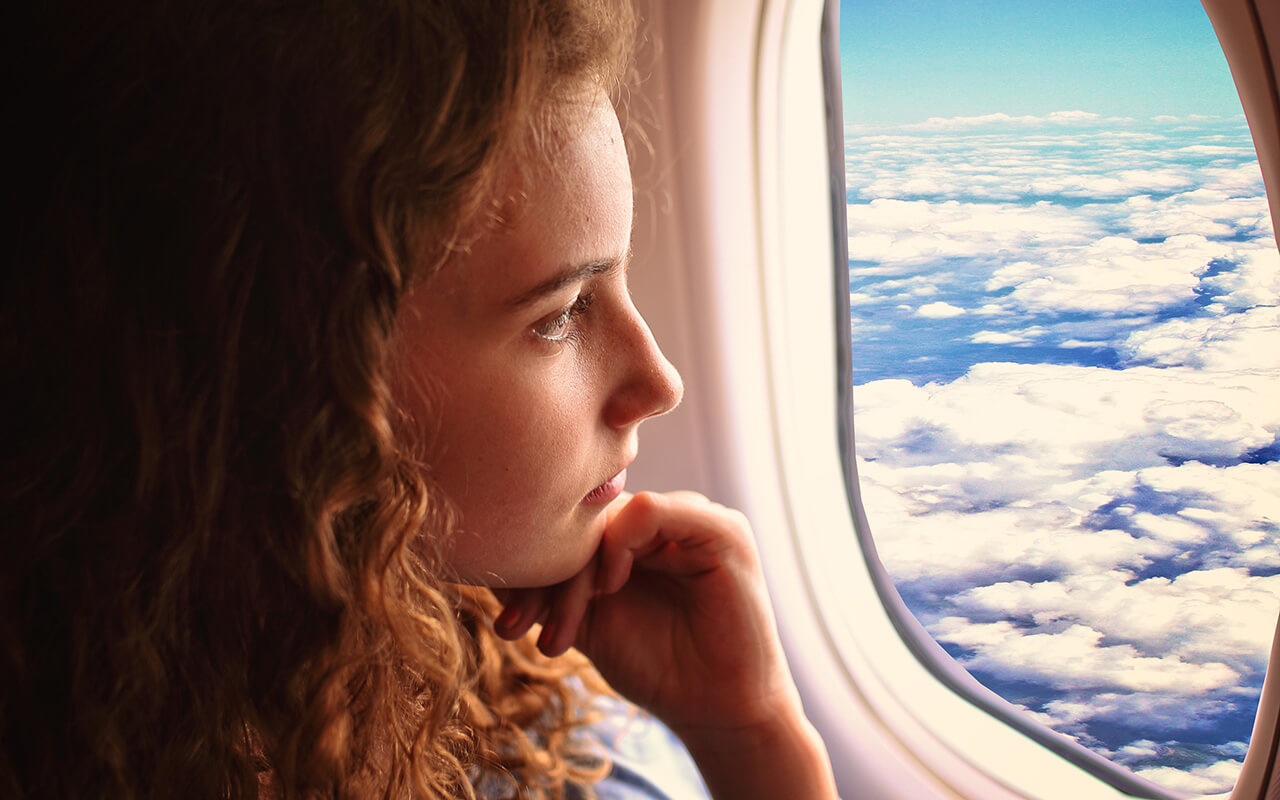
{"x":906,"y":60}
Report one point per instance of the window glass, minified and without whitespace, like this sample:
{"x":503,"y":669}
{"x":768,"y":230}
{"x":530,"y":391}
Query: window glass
{"x":1066,"y":354}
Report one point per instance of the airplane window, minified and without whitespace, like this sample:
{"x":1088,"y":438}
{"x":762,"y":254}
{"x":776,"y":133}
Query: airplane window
{"x":1066,"y":353}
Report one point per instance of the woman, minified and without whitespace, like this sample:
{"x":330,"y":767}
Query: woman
{"x":319,"y":314}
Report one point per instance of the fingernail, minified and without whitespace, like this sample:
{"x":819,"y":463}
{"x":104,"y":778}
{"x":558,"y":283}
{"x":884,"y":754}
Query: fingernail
{"x":508,"y":618}
{"x":546,"y":638}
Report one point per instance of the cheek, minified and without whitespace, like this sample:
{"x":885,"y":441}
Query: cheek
{"x":511,"y":438}
{"x":523,"y":462}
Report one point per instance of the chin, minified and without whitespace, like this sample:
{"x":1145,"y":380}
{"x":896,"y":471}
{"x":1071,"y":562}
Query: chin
{"x":560,"y":567}
{"x":545,"y":559}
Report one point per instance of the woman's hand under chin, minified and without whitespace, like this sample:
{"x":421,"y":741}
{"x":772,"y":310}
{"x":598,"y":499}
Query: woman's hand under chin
{"x":674,"y":613}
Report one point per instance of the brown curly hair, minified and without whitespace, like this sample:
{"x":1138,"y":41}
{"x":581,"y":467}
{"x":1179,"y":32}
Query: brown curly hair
{"x":219,"y":577}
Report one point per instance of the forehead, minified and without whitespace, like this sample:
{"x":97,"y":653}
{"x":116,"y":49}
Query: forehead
{"x":586,"y":175}
{"x":574,"y":208}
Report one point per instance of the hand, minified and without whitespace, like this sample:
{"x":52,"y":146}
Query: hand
{"x":674,"y":613}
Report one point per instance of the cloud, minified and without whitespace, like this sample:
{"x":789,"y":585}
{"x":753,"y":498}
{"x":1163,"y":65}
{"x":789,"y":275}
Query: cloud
{"x":1254,"y":279}
{"x":996,"y":337}
{"x":1073,"y":343}
{"x":1168,"y":713}
{"x":1066,"y":422}
{"x":1170,"y":528}
{"x":1113,"y":274}
{"x":1216,"y":212}
{"x":910,"y":288}
{"x":1210,"y":615}
{"x":1006,"y":120}
{"x":1246,"y":341}
{"x":939,"y":310}
{"x":1143,"y":748}
{"x":1076,"y":658}
{"x":1036,"y":498}
{"x":1216,"y":778}
{"x":1002,"y":158}
{"x":899,"y":234}
{"x":952,"y":550}
{"x":1241,"y":501}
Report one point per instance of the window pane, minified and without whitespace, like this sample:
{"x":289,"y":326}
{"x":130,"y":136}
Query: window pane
{"x":1066,"y":347}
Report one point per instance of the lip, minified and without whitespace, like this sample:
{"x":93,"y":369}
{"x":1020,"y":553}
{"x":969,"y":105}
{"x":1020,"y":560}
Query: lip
{"x":606,"y":492}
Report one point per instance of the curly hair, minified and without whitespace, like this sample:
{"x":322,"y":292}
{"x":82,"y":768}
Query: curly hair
{"x":219,"y":574}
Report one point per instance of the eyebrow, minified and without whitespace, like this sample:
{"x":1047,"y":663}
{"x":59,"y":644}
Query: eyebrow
{"x":570,"y":275}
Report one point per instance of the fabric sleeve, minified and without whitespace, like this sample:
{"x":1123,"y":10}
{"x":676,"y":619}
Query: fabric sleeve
{"x":649,"y":762}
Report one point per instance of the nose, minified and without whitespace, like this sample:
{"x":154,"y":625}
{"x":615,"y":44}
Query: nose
{"x":648,"y":385}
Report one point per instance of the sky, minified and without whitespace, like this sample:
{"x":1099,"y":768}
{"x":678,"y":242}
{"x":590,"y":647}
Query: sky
{"x":906,"y":60}
{"x":1066,"y":352}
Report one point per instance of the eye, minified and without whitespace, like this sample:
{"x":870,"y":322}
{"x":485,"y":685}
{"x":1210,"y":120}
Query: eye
{"x":560,"y":327}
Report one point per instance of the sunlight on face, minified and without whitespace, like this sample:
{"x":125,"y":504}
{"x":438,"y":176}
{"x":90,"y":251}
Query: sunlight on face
{"x":538,"y":368}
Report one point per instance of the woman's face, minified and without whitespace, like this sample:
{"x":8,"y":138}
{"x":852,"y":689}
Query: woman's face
{"x":527,"y":370}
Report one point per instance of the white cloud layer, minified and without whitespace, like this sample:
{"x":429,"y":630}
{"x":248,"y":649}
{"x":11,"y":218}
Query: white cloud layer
{"x":1222,"y":614}
{"x":1241,"y":342}
{"x":1100,"y":531}
{"x":1215,"y":778}
{"x":901,"y":234}
{"x":1076,"y":658}
{"x":1003,"y":121}
{"x":1112,"y":274}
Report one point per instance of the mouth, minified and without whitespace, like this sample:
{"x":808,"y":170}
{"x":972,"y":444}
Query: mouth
{"x":607,"y":491}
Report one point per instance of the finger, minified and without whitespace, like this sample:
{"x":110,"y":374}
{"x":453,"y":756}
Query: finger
{"x":690,"y":496}
{"x":634,"y":532}
{"x":567,"y":612}
{"x":615,"y":568}
{"x":702,"y":531}
{"x":619,"y":502}
{"x":614,"y":560}
{"x":524,"y":607}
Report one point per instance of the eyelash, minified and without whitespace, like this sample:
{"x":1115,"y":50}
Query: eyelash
{"x":557,"y":329}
